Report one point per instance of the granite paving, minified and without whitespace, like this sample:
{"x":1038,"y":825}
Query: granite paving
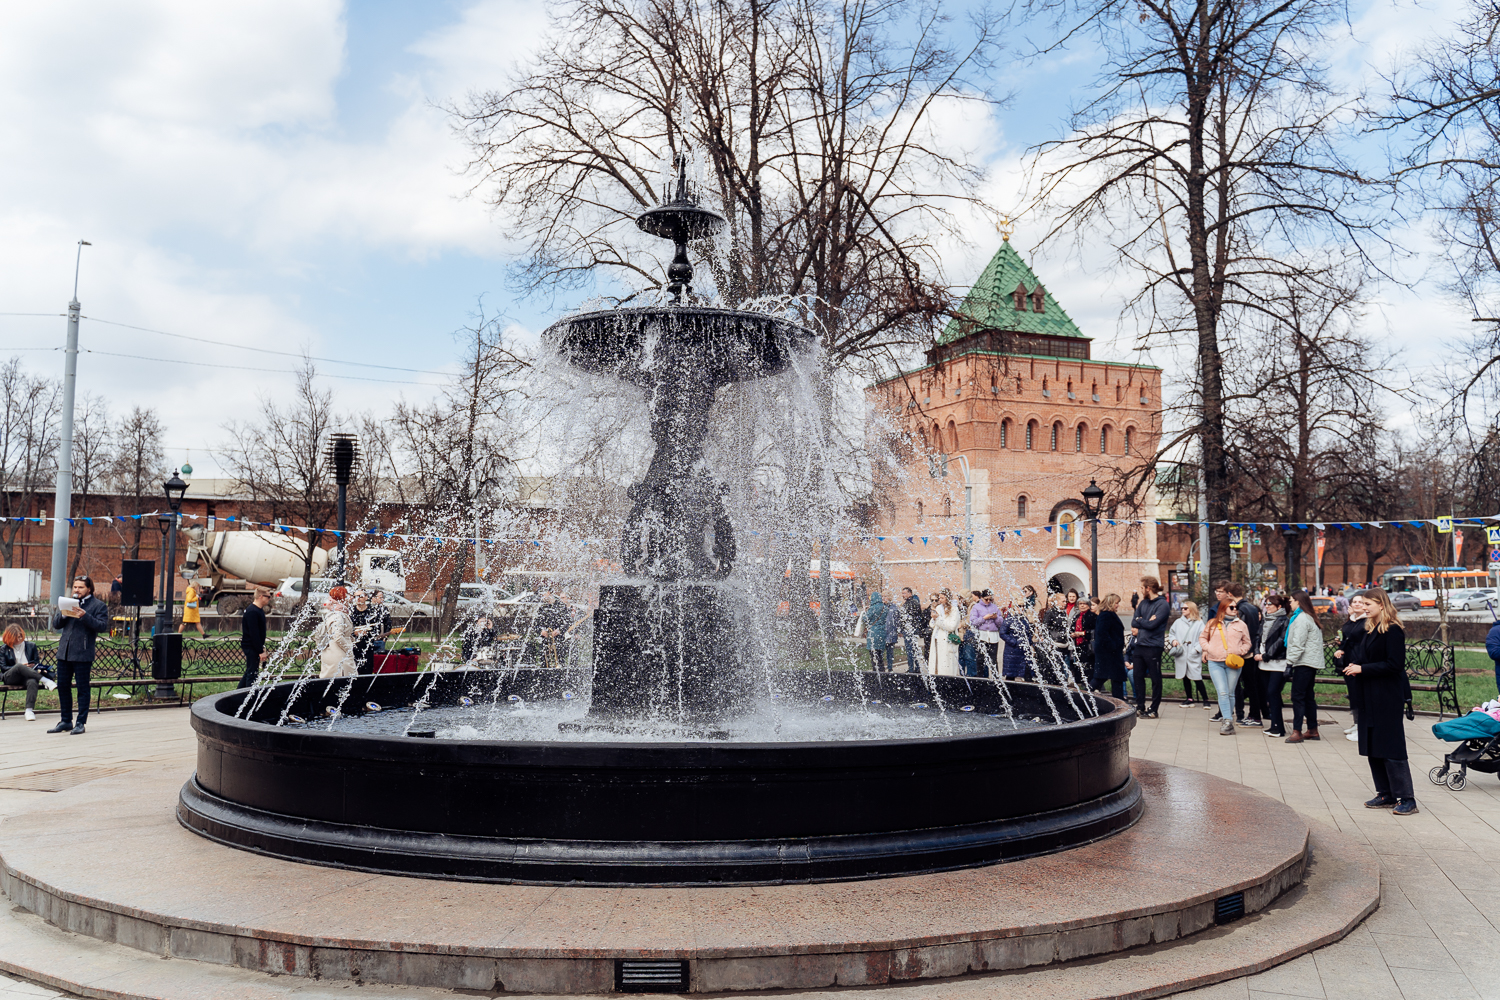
{"x":1437,"y":933}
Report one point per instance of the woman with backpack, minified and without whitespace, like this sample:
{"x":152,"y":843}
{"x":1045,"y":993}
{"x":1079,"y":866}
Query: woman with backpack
{"x":1270,"y":661}
{"x":1304,"y":656}
{"x":1378,"y":660}
{"x":1225,"y":641}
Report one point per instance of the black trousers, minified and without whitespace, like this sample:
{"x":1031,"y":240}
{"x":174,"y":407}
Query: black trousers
{"x":1251,"y":688}
{"x":1146,"y":662}
{"x":67,"y":670}
{"x":1392,"y":778}
{"x":877,"y":658}
{"x":252,"y":669}
{"x":1304,"y":702}
{"x":1187,"y":690}
{"x":1274,"y":680}
{"x":23,"y":673}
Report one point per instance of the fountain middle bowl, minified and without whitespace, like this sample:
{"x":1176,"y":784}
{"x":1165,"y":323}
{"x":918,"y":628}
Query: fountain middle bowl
{"x":653,"y":813}
{"x":723,"y":345}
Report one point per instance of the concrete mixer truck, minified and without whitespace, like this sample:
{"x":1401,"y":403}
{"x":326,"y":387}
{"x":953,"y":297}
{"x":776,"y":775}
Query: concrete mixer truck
{"x":226,"y":566}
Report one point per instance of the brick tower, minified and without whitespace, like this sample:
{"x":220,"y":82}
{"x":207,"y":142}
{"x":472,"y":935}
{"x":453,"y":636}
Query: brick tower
{"x":1012,"y":389}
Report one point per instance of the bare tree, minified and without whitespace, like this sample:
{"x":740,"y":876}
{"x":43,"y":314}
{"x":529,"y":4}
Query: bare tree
{"x":815,"y":124}
{"x":1210,"y":160}
{"x":1308,"y":396}
{"x":280,"y":462}
{"x":29,"y":411}
{"x":1449,"y":108}
{"x":93,"y":457}
{"x":457,"y":450}
{"x":138,"y":469}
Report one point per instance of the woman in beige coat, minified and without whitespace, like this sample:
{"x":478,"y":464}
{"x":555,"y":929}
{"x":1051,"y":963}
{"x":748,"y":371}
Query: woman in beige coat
{"x":335,"y":636}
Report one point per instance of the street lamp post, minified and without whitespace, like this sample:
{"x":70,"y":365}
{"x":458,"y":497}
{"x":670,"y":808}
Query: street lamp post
{"x":343,"y":452}
{"x":1093,"y":506}
{"x":169,"y":523}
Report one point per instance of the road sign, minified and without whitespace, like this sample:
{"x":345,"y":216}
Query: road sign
{"x":1493,"y":534}
{"x":1495,"y":555}
{"x":1445,"y":525}
{"x":1236,"y":538}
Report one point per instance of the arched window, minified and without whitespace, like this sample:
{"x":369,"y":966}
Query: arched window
{"x":952,"y":437}
{"x":1078,"y":438}
{"x":1030,"y":434}
{"x":1104,"y":440}
{"x":1005,"y":433}
{"x":919,"y":512}
{"x":1118,"y":392}
{"x":947,"y":506}
{"x":1127,"y":439}
{"x":1018,"y":385}
{"x":922,"y":433}
{"x":937,"y":438}
{"x":1021,"y":508}
{"x":1056,"y":433}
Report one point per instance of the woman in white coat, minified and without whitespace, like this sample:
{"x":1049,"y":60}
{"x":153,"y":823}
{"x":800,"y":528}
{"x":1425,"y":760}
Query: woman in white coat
{"x":1187,"y":655}
{"x":942,"y":656}
{"x":335,"y":636}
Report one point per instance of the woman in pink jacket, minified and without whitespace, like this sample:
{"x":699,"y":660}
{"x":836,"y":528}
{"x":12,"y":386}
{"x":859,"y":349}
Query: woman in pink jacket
{"x":1223,"y":637}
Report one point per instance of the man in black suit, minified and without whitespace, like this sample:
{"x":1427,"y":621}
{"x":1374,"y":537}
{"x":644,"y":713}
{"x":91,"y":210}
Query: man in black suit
{"x":75,"y":652}
{"x":253,"y":636}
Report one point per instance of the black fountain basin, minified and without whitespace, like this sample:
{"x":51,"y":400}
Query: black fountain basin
{"x":654,"y":813}
{"x":721,"y":346}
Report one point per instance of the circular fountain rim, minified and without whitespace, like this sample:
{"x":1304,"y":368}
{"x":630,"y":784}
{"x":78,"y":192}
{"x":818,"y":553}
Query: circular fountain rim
{"x":210,"y":712}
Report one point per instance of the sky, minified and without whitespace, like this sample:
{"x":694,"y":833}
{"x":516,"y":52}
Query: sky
{"x":278,"y":178}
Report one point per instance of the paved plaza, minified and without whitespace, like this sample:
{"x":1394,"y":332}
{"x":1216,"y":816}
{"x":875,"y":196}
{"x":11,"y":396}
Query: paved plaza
{"x":1435,"y":934}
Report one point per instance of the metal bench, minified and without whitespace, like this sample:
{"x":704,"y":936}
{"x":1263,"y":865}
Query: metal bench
{"x":1430,"y":666}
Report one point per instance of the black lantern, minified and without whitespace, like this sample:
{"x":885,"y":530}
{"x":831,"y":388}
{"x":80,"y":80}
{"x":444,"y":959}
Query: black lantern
{"x":174,"y":489}
{"x":1093,"y":506}
{"x":343,"y":452}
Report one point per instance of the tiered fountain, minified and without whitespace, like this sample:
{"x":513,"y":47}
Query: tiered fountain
{"x":681,"y":771}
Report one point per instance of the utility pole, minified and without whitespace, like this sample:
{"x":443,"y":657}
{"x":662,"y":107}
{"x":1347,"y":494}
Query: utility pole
{"x":63,"y":501}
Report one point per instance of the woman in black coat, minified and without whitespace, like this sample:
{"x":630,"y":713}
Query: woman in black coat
{"x":1378,"y":661}
{"x":1109,"y":647}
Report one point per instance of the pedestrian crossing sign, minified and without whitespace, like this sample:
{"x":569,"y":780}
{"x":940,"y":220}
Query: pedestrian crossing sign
{"x":1493,"y":535}
{"x":1445,"y":525}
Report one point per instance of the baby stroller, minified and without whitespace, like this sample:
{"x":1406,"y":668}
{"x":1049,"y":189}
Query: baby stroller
{"x":1479,"y":732}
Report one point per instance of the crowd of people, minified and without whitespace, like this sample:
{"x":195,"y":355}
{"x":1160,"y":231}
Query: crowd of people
{"x":1258,"y":658}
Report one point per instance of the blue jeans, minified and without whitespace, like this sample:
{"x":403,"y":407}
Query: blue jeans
{"x":1224,"y":680}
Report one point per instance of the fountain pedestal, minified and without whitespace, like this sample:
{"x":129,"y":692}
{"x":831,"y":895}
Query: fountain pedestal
{"x":661,"y":649}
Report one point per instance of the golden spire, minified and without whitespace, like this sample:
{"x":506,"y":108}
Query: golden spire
{"x":1006,"y":227}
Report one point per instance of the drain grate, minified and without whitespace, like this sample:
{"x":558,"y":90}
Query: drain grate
{"x":1229,"y":908}
{"x":643,"y":976}
{"x":56,"y":779}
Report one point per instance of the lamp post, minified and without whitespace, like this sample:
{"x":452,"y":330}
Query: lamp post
{"x":343,"y":452}
{"x":174,"y":488}
{"x":1093,"y":506}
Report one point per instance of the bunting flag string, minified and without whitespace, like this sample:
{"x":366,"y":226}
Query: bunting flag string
{"x":1001,"y":532}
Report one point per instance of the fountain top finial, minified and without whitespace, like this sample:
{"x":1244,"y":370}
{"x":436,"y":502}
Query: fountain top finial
{"x":680,"y":218}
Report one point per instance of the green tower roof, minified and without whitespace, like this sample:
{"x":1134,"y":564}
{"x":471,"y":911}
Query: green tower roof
{"x":991,"y":304}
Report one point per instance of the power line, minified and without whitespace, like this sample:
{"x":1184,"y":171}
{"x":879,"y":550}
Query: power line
{"x":238,"y":347}
{"x":263,"y":350}
{"x":242,"y":368}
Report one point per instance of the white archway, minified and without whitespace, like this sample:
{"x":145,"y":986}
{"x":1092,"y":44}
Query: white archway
{"x":1065,"y":572}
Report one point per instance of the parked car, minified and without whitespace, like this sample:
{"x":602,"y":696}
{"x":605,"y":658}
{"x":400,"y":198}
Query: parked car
{"x":1405,"y":600}
{"x":487,"y":597}
{"x":285,"y":597}
{"x":403,"y":610}
{"x":1471,"y":600}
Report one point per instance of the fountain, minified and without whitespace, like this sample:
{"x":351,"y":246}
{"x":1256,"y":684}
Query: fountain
{"x":671,"y":776}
